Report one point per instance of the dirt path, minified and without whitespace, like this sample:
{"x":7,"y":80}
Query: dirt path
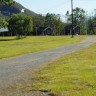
{"x":11,"y":69}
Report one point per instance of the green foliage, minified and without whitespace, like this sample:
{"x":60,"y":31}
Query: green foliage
{"x":55,"y":23}
{"x":67,"y":16}
{"x":78,"y":18}
{"x":8,"y":2}
{"x":94,"y":30}
{"x":38,"y":21}
{"x":93,"y":22}
{"x":50,"y":20}
{"x":90,"y":25}
{"x":84,"y":32}
{"x":28,"y":25}
{"x":20,"y":24}
{"x":3,"y":23}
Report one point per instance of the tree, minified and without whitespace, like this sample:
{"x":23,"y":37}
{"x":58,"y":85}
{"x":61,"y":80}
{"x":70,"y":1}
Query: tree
{"x":67,"y":16}
{"x":8,"y":2}
{"x":59,"y":26}
{"x":20,"y":24}
{"x":38,"y":21}
{"x":91,"y":23}
{"x":3,"y":23}
{"x":94,"y":21}
{"x":54,"y":22}
{"x":90,"y":26}
{"x":78,"y":18}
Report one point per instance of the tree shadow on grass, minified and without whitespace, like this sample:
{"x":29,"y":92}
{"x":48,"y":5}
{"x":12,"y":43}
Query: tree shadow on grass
{"x":12,"y":39}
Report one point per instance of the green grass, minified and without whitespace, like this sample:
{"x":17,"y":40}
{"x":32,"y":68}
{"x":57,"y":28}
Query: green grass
{"x":10,"y":46}
{"x":71,"y":75}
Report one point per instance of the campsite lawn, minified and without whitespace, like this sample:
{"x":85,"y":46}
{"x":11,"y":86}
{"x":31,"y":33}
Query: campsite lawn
{"x":10,"y":46}
{"x":71,"y":75}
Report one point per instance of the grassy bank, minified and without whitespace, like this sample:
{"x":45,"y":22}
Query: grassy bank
{"x":10,"y":46}
{"x":71,"y":75}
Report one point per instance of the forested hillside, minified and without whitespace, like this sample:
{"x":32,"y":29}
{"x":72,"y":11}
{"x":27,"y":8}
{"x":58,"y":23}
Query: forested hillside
{"x":14,"y":9}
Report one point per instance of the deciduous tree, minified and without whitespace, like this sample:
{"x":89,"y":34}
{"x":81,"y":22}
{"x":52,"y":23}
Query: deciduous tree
{"x":78,"y":18}
{"x":20,"y":24}
{"x":55,"y":23}
{"x":38,"y":21}
{"x":3,"y":21}
{"x":8,"y":2}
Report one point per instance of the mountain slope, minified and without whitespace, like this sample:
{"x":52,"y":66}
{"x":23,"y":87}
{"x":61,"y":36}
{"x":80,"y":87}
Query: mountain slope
{"x":14,"y":9}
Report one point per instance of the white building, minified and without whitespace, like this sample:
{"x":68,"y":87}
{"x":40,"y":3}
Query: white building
{"x":22,"y":10}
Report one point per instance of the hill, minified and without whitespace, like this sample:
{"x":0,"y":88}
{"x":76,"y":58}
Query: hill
{"x":17,"y":8}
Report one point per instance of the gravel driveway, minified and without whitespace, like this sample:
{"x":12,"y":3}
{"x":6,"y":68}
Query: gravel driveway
{"x":11,"y":67}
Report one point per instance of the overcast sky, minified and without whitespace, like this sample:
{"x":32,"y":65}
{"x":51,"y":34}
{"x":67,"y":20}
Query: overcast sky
{"x":57,"y":6}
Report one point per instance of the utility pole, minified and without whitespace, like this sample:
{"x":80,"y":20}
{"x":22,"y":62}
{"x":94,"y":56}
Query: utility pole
{"x":72,"y":18}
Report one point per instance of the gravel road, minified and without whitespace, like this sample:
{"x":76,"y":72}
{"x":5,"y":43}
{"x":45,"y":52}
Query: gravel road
{"x":11,"y":67}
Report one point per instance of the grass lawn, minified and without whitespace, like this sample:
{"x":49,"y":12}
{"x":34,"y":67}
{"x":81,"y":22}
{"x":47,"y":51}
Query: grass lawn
{"x":10,"y":46}
{"x":71,"y":75}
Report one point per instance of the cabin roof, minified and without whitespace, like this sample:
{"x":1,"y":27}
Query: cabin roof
{"x":68,"y":27}
{"x":43,"y":28}
{"x":3,"y":29}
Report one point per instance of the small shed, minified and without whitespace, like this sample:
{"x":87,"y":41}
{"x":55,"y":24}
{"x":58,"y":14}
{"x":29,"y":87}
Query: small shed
{"x":68,"y":30}
{"x":4,"y":32}
{"x":44,"y":31}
